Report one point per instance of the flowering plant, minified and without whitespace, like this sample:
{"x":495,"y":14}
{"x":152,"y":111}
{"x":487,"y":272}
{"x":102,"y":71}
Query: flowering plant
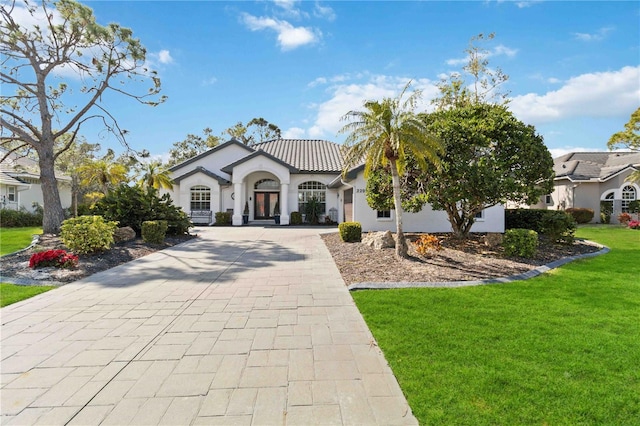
{"x":634,"y":224}
{"x":57,"y":258}
{"x":426,"y":244}
{"x":624,"y":218}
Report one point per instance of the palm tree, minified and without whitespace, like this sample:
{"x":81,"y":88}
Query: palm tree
{"x":103,"y":173}
{"x":154,"y":175}
{"x":385,"y":133}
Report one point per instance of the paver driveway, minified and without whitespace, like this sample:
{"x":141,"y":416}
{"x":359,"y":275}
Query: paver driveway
{"x":240,"y":326}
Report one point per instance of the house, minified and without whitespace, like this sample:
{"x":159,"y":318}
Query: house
{"x":594,"y":180}
{"x":20,"y":187}
{"x":290,"y":172}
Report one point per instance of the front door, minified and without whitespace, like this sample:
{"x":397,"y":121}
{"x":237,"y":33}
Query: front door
{"x":265,"y":203}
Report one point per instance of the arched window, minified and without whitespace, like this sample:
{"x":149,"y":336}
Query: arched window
{"x":309,"y":190}
{"x":268,"y":184}
{"x":200,"y":198}
{"x":628,"y":195}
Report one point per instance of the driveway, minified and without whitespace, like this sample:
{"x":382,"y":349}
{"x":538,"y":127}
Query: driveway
{"x":242,"y":325}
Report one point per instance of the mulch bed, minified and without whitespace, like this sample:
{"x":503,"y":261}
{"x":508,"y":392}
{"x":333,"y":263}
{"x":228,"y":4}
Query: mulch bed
{"x":459,"y":260}
{"x":16,"y":266}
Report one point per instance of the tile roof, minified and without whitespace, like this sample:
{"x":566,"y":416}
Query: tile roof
{"x":594,"y":165}
{"x":306,"y":155}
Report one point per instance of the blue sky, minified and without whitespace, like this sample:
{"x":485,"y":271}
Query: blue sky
{"x":574,"y":67}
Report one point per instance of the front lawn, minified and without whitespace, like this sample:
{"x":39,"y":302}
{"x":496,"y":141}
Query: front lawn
{"x":563,"y":348}
{"x":11,"y":293}
{"x":14,"y":239}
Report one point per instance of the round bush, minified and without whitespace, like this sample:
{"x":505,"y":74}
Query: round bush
{"x":87,"y":234}
{"x":520,"y":242}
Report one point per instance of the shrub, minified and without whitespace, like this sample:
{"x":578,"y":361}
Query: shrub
{"x":520,"y":242}
{"x":427,"y":244}
{"x":559,"y":227}
{"x":296,"y":218}
{"x":634,"y":206}
{"x":605,"y":218}
{"x":634,"y":224}
{"x":19,"y":218}
{"x":87,"y":234}
{"x":350,"y":232}
{"x":624,"y":218}
{"x":223,"y":218}
{"x":581,"y":215}
{"x":154,"y":231}
{"x":525,"y":219}
{"x":313,"y":210}
{"x":130,"y":206}
{"x":57,"y":258}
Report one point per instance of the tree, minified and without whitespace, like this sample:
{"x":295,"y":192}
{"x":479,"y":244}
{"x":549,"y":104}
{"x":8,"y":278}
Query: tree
{"x":153,"y":175}
{"x":256,"y":131}
{"x":485,"y":85}
{"x":70,"y":162}
{"x":38,"y":106}
{"x":192,"y":145}
{"x":628,"y":138}
{"x":490,"y":158}
{"x":384,"y":134}
{"x":104,"y":173}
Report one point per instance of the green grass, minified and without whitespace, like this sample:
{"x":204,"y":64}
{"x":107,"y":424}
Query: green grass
{"x":14,"y":239}
{"x":560,"y":349}
{"x":11,"y":293}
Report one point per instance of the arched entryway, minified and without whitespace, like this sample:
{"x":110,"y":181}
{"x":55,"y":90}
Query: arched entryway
{"x":266,"y":199}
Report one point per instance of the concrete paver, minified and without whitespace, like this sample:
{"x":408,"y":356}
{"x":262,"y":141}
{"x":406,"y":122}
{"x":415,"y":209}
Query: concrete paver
{"x":239,"y":326}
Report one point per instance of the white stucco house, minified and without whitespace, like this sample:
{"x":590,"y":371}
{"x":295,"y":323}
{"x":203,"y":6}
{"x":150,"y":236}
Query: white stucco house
{"x":20,"y":185}
{"x":587,"y":179}
{"x":290,"y":172}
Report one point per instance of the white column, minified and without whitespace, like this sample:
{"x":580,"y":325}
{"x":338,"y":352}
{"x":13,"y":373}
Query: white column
{"x":284,"y":204}
{"x":237,"y":204}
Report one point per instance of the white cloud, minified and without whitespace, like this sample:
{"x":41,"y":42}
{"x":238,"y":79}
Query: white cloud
{"x":499,"y":50}
{"x":289,"y":37}
{"x":597,"y":36}
{"x":165,"y":57}
{"x":294,"y":133}
{"x":351,"y":95}
{"x":325,"y":12}
{"x":210,"y":81}
{"x":554,"y":80}
{"x":558,"y":152}
{"x":601,"y":94}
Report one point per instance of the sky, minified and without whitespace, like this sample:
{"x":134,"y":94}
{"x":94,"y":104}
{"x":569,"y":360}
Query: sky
{"x":574,"y":67}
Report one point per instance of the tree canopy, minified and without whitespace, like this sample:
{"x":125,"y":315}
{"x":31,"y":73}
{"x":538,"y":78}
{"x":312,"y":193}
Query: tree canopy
{"x":628,"y":138}
{"x":257,"y":130}
{"x":192,"y":145}
{"x":57,"y":67}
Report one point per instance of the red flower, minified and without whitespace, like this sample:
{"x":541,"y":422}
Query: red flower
{"x":57,"y":258}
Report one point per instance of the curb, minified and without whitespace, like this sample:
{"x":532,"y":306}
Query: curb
{"x":457,"y":284}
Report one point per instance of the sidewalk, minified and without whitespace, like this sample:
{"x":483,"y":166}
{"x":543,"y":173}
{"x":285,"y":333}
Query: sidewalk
{"x":240,"y":326}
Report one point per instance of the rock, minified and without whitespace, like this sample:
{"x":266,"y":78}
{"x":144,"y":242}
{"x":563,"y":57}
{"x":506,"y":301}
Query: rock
{"x":124,"y":234}
{"x":493,"y":239}
{"x":379,"y":240}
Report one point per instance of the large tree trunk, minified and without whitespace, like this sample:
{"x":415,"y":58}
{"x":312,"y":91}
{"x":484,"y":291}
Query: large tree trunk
{"x":53,"y":213}
{"x":401,"y":242}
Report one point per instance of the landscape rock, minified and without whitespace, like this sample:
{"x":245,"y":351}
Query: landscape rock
{"x":493,"y":239}
{"x":124,"y":234}
{"x":379,"y":240}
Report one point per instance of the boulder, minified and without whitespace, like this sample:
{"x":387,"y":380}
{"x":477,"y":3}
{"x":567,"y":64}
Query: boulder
{"x":124,"y":234}
{"x":493,"y":239}
{"x":379,"y":240}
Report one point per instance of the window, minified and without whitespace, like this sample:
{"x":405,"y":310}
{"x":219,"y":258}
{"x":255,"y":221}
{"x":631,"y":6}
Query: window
{"x":200,"y":198}
{"x":548,"y":200}
{"x":479,"y":217}
{"x":11,"y":193}
{"x":628,"y":195}
{"x":383,"y":214}
{"x":309,"y":190}
{"x":267,"y":184}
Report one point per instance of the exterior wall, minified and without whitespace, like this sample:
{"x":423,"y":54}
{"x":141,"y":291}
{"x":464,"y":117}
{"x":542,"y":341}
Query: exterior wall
{"x":427,"y":220}
{"x":332,"y":197}
{"x":181,"y":194}
{"x":26,"y":196}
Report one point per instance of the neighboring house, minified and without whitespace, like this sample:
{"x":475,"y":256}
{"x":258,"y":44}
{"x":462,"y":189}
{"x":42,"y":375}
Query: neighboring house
{"x":289,"y":172}
{"x":587,"y":179}
{"x":20,"y":184}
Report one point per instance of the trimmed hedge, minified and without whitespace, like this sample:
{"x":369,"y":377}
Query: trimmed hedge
{"x":557,"y":225}
{"x":19,"y":218}
{"x":581,"y":214}
{"x":350,"y":232}
{"x":154,"y":231}
{"x":520,"y":242}
{"x":87,"y":234}
{"x":223,"y":218}
{"x":295,"y":218}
